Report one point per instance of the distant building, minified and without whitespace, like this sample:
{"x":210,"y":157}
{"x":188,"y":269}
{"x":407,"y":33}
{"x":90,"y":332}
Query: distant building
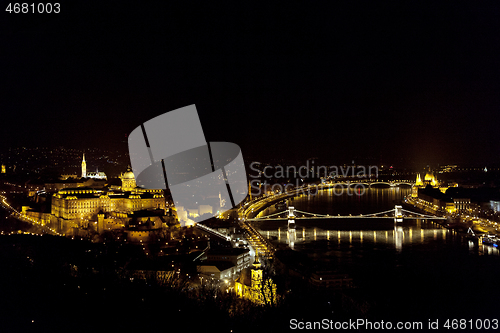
{"x":448,"y":168}
{"x":418,"y":184}
{"x":68,"y":176}
{"x":419,"y":181}
{"x":495,"y":205}
{"x":95,"y":175}
{"x":429,"y":179}
{"x":462,"y":205}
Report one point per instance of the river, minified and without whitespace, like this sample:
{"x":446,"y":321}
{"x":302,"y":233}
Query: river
{"x":415,"y":268}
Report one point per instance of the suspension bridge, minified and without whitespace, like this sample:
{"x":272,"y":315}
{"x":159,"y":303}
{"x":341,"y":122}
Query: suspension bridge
{"x":397,"y":213}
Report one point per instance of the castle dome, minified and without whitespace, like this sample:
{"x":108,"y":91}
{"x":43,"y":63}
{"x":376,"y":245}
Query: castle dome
{"x":128,"y":174}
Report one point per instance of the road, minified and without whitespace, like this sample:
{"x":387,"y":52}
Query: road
{"x":14,"y":213}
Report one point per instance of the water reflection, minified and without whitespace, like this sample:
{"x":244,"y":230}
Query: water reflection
{"x":291,"y":238}
{"x":359,"y":234}
{"x":398,"y":237}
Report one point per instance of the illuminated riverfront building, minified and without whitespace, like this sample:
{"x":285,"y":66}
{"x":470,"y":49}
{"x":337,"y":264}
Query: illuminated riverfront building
{"x":418,"y":184}
{"x":429,"y":179}
{"x":419,"y":181}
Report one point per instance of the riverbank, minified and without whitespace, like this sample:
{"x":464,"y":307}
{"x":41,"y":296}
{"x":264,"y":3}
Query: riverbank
{"x":456,"y":224}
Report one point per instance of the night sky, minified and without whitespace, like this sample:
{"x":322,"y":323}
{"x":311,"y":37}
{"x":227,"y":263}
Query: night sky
{"x":415,"y":82}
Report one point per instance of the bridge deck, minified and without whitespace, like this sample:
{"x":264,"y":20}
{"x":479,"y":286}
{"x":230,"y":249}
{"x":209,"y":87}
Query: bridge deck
{"x":349,"y":217}
{"x":380,"y":215}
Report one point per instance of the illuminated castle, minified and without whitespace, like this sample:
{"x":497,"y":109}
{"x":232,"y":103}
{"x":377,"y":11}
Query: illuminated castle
{"x":256,"y":289}
{"x":128,"y":180}
{"x":75,"y":207}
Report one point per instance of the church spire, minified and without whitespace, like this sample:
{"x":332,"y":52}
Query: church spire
{"x":84,"y":167}
{"x":419,"y":180}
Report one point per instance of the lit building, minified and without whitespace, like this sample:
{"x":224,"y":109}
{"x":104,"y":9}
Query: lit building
{"x":75,"y":207}
{"x":84,"y":167}
{"x":429,"y":179}
{"x":462,"y":204}
{"x":418,"y":184}
{"x":495,"y":205}
{"x":128,"y":180}
{"x":448,"y":168}
{"x":94,"y":175}
{"x":256,"y":288}
{"x":419,"y":181}
{"x":240,"y":258}
{"x":85,"y":202}
{"x":219,"y":270}
{"x":67,"y":176}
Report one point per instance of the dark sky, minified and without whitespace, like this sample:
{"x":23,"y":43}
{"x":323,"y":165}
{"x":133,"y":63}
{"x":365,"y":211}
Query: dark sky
{"x":418,"y":80}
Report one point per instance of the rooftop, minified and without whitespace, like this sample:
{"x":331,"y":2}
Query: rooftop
{"x":220,"y":265}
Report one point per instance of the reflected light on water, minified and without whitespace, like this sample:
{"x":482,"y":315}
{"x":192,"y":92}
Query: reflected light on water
{"x":402,"y":234}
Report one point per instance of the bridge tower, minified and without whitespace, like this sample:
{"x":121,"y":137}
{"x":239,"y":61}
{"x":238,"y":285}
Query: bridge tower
{"x":291,"y":217}
{"x":398,"y":213}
